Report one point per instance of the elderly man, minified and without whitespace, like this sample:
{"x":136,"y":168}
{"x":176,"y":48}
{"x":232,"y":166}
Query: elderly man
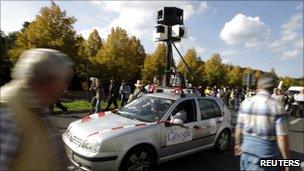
{"x":28,"y":141}
{"x":261,"y":130}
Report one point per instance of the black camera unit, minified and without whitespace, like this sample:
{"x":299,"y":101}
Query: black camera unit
{"x":170,"y":16}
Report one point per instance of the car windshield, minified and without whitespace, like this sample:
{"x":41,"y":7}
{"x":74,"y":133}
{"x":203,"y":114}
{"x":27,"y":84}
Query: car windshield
{"x":146,"y":108}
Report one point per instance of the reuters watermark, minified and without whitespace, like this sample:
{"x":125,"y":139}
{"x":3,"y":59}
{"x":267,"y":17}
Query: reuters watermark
{"x":281,"y":163}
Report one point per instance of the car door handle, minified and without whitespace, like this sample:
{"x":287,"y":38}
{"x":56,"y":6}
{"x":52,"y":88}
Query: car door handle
{"x":197,"y":127}
{"x":218,"y":122}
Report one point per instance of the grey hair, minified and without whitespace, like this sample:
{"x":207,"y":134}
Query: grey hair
{"x":268,"y":82}
{"x":41,"y":65}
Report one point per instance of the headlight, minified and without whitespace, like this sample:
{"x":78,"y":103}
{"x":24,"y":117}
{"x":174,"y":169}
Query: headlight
{"x":91,"y":145}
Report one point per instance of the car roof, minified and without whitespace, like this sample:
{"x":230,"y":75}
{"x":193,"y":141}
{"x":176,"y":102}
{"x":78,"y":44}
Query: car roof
{"x":295,"y":88}
{"x":176,"y":96}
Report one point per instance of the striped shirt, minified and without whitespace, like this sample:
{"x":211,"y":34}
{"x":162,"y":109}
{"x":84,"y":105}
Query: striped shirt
{"x":261,"y":119}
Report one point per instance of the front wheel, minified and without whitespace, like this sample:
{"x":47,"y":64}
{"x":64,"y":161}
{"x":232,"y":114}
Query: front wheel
{"x":139,"y":159}
{"x":222,"y":141}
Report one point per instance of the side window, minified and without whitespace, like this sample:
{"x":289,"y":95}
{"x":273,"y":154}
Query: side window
{"x":217,"y":110}
{"x":201,"y":106}
{"x":210,"y":108}
{"x":186,"y":110}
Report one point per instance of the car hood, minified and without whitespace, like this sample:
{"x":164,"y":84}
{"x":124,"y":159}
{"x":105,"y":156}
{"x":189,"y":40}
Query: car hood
{"x":103,"y":123}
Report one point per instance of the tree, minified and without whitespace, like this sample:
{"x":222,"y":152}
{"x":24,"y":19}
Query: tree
{"x":235,"y":77}
{"x":118,"y":56}
{"x":93,"y":44}
{"x":50,"y":29}
{"x":215,"y":72}
{"x":5,"y":64}
{"x":258,"y":75}
{"x":137,"y":51}
{"x":195,"y":64}
{"x":287,"y":82}
{"x":155,"y":63}
{"x":248,"y":71}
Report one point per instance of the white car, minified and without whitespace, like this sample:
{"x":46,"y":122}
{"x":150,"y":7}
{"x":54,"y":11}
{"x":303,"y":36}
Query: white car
{"x":151,"y":129}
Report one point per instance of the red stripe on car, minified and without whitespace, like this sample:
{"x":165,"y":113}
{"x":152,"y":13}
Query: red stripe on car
{"x":101,"y":114}
{"x":86,"y":119}
{"x":117,"y":128}
{"x":142,"y":124}
{"x":93,"y":134}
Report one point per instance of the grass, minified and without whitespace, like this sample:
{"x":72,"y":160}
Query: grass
{"x":82,"y":105}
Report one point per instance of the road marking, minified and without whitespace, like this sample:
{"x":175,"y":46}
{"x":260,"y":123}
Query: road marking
{"x":295,"y":121}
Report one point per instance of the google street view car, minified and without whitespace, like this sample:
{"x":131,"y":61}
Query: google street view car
{"x":151,"y":129}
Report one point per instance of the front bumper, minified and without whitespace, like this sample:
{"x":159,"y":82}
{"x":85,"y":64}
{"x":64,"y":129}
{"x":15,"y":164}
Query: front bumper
{"x":101,"y":163}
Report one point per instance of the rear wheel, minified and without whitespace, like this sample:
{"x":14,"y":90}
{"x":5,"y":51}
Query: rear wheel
{"x":139,"y":159}
{"x":222,"y":141}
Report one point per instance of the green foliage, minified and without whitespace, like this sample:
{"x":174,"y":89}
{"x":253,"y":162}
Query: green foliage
{"x":93,"y":44}
{"x":50,"y":29}
{"x":195,"y":64}
{"x":5,"y":64}
{"x":287,"y":82}
{"x":215,"y":71}
{"x":248,"y":71}
{"x":120,"y":57}
{"x":235,"y":77}
{"x":258,"y":75}
{"x":155,"y":63}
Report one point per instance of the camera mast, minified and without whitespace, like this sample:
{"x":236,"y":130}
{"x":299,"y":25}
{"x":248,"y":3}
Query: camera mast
{"x":170,"y":28}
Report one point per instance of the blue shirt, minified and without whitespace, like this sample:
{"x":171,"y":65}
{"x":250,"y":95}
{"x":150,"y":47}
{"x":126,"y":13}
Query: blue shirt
{"x":262,"y":119}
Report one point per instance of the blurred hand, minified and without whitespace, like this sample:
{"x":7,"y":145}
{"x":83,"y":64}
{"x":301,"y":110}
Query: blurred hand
{"x":237,"y":150}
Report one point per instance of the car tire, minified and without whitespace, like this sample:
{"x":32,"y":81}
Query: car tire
{"x":140,"y":158}
{"x":222,"y":141}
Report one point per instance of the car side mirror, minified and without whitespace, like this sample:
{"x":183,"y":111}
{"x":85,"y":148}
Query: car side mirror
{"x":174,"y":121}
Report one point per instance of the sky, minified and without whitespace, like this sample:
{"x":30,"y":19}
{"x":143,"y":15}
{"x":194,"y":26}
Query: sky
{"x":257,"y":34}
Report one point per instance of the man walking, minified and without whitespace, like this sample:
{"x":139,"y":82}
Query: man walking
{"x":28,"y":139}
{"x":112,"y":94}
{"x":124,"y":92}
{"x":261,"y":130}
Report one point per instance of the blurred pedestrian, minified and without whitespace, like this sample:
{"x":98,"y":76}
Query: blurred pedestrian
{"x":156,"y":81}
{"x":60,"y":106}
{"x":112,"y":94}
{"x":150,"y":87}
{"x":99,"y":95}
{"x":85,"y":88}
{"x":139,"y":91}
{"x":262,"y":126}
{"x":92,"y":88}
{"x":28,"y":139}
{"x":208,"y":91}
{"x":124,"y":91}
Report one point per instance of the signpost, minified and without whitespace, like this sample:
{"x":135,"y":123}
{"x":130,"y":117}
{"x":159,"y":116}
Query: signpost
{"x":249,"y":80}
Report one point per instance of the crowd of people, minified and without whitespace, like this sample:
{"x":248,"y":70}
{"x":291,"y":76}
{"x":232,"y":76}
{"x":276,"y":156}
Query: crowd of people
{"x":113,"y":92}
{"x":232,"y":97}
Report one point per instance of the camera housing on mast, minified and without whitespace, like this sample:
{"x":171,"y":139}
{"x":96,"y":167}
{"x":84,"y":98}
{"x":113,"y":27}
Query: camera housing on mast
{"x":161,"y":33}
{"x":178,"y":32}
{"x":170,"y":16}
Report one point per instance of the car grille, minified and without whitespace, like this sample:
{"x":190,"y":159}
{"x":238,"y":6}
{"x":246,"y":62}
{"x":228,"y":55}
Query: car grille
{"x":75,"y":140}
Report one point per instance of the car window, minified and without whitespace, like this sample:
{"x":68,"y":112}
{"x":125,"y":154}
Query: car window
{"x":201,"y":106}
{"x":210,"y":108}
{"x":146,"y":108}
{"x":185,"y":110}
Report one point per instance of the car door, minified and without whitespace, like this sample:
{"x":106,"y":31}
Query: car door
{"x":177,"y":139}
{"x":211,"y":116}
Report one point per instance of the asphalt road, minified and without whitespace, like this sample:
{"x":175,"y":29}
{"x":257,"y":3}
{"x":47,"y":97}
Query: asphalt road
{"x":209,"y":160}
